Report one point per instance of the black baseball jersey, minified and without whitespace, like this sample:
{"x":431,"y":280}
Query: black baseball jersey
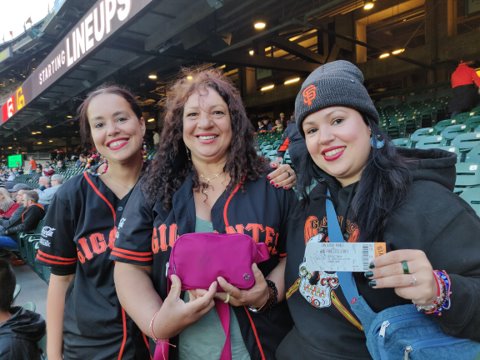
{"x":146,"y":234}
{"x":77,"y":239}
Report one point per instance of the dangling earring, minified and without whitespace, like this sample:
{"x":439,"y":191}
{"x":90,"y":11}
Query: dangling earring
{"x":188,"y":154}
{"x":144,"y":151}
{"x":377,"y":142}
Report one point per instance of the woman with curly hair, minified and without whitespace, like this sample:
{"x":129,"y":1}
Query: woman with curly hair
{"x":206,"y":177}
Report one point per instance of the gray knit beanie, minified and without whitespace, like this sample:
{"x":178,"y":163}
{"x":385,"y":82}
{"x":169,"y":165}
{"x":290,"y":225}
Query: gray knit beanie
{"x":338,"y":83}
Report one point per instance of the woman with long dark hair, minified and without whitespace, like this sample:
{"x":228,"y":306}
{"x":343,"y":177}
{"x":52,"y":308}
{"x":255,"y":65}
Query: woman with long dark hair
{"x":84,"y":317}
{"x":380,"y":194}
{"x":206,"y":177}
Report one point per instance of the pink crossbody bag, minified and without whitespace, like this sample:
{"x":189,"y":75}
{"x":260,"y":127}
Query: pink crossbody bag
{"x":199,"y":258}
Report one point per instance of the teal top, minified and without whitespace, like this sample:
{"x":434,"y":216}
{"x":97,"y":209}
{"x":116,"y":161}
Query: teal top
{"x":205,"y":338}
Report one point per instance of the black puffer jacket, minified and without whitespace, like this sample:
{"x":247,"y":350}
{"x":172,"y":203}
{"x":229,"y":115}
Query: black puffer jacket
{"x":19,"y":335}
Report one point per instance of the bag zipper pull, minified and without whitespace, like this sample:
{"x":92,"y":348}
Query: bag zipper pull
{"x":383,"y":328}
{"x":406,"y":353}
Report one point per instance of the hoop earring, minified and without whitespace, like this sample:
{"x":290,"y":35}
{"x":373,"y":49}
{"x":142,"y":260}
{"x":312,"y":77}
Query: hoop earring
{"x":377,"y":142}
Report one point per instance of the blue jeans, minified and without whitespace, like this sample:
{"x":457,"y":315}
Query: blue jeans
{"x":6,"y":242}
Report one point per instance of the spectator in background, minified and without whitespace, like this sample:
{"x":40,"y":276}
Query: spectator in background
{"x":49,"y":170}
{"x":28,"y":221}
{"x":43,"y":183}
{"x":7,"y":205}
{"x":20,"y":329}
{"x":267,"y":125}
{"x":12,"y":174}
{"x":465,"y":84}
{"x":31,"y":216}
{"x":156,"y":139}
{"x":32,"y":164}
{"x":278,"y":128}
{"x":39,"y":169}
{"x":282,"y":119}
{"x":61,"y":165}
{"x":294,"y":143}
{"x":46,"y":196}
{"x":17,"y":214}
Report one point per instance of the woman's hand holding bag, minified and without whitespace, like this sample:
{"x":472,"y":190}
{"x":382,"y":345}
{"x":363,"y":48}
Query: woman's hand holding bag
{"x":176,"y":314}
{"x":255,"y":296}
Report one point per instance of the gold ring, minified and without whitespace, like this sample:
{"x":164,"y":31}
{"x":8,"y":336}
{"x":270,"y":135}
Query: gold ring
{"x":227,"y":299}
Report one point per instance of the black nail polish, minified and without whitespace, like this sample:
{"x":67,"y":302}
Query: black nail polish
{"x":372,"y":265}
{"x":372,"y":283}
{"x":368,"y":274}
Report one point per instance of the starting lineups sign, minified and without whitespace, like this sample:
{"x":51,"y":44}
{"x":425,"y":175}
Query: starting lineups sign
{"x":99,"y":23}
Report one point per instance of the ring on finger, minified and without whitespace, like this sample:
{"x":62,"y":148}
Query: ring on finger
{"x":413,"y":280}
{"x":405,"y":268}
{"x":288,"y":173}
{"x":227,"y":299}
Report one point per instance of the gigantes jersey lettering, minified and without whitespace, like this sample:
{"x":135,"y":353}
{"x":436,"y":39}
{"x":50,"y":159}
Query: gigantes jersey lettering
{"x":77,"y":239}
{"x":146,"y":234}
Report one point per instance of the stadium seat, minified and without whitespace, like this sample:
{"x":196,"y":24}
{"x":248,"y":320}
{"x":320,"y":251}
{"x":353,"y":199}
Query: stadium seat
{"x":442,"y":124}
{"x":419,"y":133}
{"x":462,"y":117}
{"x":468,"y":175}
{"x":30,"y":306}
{"x":466,"y":142}
{"x":472,"y":197}
{"x":473,"y":156}
{"x":429,"y":142}
{"x":472,"y":123}
{"x":450,"y":132}
{"x":401,"y":142}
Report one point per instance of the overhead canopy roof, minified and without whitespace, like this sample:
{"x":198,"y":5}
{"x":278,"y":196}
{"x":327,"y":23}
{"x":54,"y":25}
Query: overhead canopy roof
{"x":161,"y":36}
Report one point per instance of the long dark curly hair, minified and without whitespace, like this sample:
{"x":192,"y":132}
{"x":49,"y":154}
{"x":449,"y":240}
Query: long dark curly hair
{"x":171,"y":164}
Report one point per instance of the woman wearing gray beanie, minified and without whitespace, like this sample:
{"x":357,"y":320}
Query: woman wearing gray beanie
{"x":397,"y":202}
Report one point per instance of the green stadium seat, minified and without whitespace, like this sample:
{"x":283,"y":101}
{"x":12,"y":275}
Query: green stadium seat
{"x":402,"y":142}
{"x":419,"y":133}
{"x":463,"y":117}
{"x":472,"y":123}
{"x":30,"y":305}
{"x":468,"y":175}
{"x":442,"y":124}
{"x":466,"y":142}
{"x":472,"y":197}
{"x":429,"y":142}
{"x":450,"y":132}
{"x":473,"y":155}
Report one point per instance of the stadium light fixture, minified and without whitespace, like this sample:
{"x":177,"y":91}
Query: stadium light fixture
{"x":267,"y":87}
{"x":260,"y":25}
{"x":291,"y":81}
{"x":368,"y":5}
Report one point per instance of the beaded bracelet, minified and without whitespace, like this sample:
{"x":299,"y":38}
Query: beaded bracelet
{"x":442,"y":301}
{"x":272,"y":298}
